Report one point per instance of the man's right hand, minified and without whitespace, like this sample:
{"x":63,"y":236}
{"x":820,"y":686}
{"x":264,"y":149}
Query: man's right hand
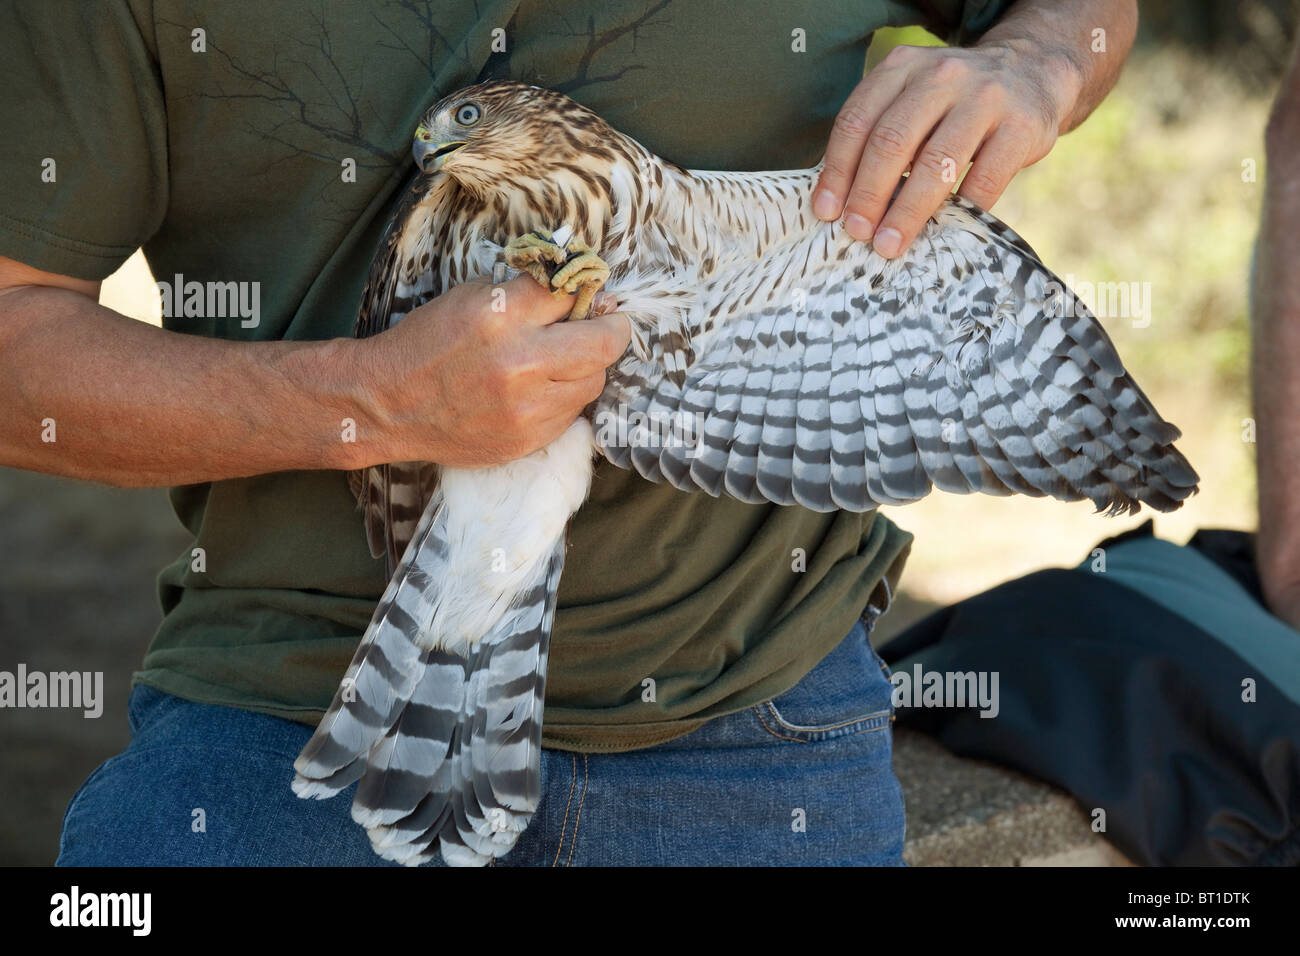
{"x":482,"y":375}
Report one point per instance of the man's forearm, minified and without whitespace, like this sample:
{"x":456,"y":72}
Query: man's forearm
{"x":133,"y":405}
{"x":1088,"y":63}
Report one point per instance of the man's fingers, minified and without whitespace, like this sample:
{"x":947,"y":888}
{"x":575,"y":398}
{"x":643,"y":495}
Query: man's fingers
{"x":856,"y":119}
{"x":573,"y":396}
{"x":577,"y":350}
{"x":524,"y":297}
{"x":603,"y":303}
{"x":997,"y":162}
{"x":612,"y":335}
{"x":935,"y":172}
{"x":890,"y":148}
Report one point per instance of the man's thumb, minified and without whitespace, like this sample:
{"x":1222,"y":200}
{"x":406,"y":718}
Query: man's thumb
{"x":526,"y":298}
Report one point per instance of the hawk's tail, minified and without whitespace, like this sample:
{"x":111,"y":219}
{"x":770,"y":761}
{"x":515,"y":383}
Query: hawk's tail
{"x":383,"y":672}
{"x":446,"y":743}
{"x":460,"y":770}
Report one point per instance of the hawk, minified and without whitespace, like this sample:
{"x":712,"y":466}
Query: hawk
{"x":773,"y":359}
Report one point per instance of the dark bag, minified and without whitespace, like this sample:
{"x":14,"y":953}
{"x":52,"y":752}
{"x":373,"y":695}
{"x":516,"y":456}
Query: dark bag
{"x":1128,"y":706}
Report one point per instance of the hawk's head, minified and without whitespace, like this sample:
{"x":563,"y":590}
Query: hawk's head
{"x":501,"y":134}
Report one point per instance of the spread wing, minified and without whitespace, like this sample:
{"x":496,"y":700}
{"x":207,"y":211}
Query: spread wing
{"x":404,"y":274}
{"x":964,"y":365}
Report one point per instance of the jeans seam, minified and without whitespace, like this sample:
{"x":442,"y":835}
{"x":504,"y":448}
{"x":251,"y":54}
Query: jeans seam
{"x":564,"y":825}
{"x":134,"y":751}
{"x":785,"y":724}
{"x":577,"y":820}
{"x":868,"y":719}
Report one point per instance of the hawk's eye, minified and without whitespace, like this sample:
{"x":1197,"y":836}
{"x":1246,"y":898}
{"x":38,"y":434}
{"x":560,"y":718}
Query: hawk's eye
{"x":467,"y":114}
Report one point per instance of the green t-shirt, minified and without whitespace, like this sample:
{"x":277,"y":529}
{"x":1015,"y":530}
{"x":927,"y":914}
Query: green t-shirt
{"x":218,"y":137}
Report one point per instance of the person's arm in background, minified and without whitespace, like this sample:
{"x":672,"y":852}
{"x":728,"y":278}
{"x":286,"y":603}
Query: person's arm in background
{"x":1001,"y":102}
{"x":1275,"y":356}
{"x":133,"y":405}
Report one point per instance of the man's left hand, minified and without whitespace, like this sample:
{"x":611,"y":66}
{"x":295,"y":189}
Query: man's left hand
{"x":934,"y":110}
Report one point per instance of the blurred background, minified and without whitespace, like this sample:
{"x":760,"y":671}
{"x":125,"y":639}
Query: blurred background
{"x":1160,"y":187}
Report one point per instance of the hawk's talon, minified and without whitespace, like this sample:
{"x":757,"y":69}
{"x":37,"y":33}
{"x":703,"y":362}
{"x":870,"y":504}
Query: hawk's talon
{"x":530,"y":253}
{"x":580,"y":271}
{"x":584,"y":274}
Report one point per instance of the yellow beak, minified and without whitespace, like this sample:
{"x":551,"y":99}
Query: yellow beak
{"x":429,"y":155}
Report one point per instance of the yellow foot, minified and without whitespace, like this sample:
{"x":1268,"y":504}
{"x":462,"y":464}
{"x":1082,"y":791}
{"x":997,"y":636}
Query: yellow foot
{"x":580,"y":271}
{"x":583,"y":273}
{"x":530,"y":253}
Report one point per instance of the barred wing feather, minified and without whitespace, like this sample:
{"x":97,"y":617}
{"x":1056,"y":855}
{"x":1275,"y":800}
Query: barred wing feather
{"x":964,"y":365}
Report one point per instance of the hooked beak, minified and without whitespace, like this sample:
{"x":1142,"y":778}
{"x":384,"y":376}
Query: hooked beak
{"x":429,"y":155}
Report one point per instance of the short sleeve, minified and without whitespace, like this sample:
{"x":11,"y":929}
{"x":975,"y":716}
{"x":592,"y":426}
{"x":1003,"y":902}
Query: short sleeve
{"x":83,"y":135}
{"x":959,"y":22}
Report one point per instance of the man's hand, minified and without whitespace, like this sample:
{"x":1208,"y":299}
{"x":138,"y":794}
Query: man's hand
{"x":463,"y":384}
{"x":91,"y":394}
{"x":987,"y":104}
{"x":999,"y":105}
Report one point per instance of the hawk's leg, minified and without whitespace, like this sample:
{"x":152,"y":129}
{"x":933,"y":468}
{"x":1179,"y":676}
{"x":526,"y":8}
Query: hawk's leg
{"x":568,"y":269}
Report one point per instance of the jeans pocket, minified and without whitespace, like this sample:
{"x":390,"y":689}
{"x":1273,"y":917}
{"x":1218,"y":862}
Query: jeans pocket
{"x":847,"y":693}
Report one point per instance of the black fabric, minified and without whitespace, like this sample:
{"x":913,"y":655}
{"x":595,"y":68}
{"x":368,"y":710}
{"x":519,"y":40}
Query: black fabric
{"x":1234,"y":552}
{"x":1128,"y":707}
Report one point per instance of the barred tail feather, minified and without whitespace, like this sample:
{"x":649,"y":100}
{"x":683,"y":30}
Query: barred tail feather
{"x":440,"y":713}
{"x":383,"y":672}
{"x":461,"y":772}
{"x":446,"y":743}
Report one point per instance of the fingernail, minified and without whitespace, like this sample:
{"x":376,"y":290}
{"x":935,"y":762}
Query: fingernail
{"x":887,"y":242}
{"x":604,"y":302}
{"x":859,"y":227}
{"x":825,"y":205}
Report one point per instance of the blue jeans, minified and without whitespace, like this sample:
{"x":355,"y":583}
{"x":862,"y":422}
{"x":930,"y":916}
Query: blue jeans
{"x":803,"y":779}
